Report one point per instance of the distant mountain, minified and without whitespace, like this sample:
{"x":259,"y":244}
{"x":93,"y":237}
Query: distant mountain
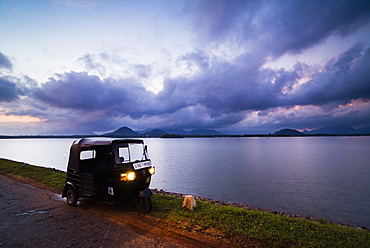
{"x":166,"y":130}
{"x":306,"y":131}
{"x":176,"y":131}
{"x":128,"y":132}
{"x":338,"y":130}
{"x":363,"y":130}
{"x":335,"y":130}
{"x":287,"y":131}
{"x":332,"y":130}
{"x":204,"y":132}
{"x":155,"y":133}
{"x":143,"y":131}
{"x":123,"y":131}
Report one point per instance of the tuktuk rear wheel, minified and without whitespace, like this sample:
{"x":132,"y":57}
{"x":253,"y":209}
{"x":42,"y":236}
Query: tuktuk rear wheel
{"x":71,"y":197}
{"x":146,"y":204}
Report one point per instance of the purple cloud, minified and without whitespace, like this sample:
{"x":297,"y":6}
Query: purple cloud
{"x":217,"y":96}
{"x":8,"y":91}
{"x":218,"y":92}
{"x":278,"y":27}
{"x":5,"y":62}
{"x":83,"y":92}
{"x":227,"y":89}
{"x":343,"y":79}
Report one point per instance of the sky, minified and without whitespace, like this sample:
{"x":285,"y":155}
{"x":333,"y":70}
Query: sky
{"x":236,"y":66}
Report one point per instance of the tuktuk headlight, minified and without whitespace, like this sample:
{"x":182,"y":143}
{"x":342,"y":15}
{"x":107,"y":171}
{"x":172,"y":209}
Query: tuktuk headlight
{"x":152,"y":170}
{"x":128,"y":176}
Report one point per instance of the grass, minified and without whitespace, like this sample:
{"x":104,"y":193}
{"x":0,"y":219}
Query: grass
{"x":242,"y":227}
{"x":47,"y":176}
{"x":268,"y":229}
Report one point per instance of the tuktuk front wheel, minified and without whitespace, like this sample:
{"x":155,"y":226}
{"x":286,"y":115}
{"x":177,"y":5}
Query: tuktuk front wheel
{"x":71,"y":197}
{"x":146,"y":203}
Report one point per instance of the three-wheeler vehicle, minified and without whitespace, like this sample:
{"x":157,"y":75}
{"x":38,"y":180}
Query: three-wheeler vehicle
{"x":110,"y":170}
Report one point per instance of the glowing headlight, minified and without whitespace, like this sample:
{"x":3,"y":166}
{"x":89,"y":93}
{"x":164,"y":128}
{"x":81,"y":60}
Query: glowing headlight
{"x":129,"y":176}
{"x":152,"y":170}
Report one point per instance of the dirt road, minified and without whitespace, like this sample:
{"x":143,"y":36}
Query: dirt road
{"x":34,"y":217}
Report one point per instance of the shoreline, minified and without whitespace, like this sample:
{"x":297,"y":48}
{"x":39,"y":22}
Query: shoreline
{"x":224,"y":222}
{"x":181,"y":195}
{"x":180,"y":136}
{"x":264,"y":210}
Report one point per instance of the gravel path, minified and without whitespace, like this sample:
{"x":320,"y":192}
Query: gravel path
{"x":32,"y":217}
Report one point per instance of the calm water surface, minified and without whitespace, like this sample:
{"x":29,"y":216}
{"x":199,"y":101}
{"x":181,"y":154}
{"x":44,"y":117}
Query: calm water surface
{"x":322,"y":177}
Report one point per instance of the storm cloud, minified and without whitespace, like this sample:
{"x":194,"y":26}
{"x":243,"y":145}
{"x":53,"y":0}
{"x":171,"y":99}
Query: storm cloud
{"x":8,"y":91}
{"x":278,"y":27}
{"x":5,"y":62}
{"x":219,"y":95}
{"x":341,"y":79}
{"x":232,"y":87}
{"x":221,"y":79}
{"x":83,"y":92}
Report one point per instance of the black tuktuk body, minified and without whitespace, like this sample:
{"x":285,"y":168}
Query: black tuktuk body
{"x":108,"y":169}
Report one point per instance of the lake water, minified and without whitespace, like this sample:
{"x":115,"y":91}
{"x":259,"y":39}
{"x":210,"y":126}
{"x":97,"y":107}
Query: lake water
{"x":321,"y":177}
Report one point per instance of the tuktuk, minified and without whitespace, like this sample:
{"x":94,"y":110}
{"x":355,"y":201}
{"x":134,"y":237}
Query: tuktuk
{"x":109,"y":169}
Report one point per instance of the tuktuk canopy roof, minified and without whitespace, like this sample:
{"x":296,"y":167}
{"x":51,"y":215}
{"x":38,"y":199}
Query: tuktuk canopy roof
{"x":86,"y":143}
{"x":103,"y":141}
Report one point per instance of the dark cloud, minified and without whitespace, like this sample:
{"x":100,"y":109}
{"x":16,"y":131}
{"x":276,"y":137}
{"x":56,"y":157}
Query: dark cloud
{"x":343,"y":79}
{"x":8,"y":91}
{"x":347,"y":59}
{"x":5,"y":62}
{"x":218,"y":95}
{"x":278,"y":27}
{"x":220,"y":92}
{"x":83,"y":92}
{"x":197,"y":58}
{"x":226,"y":92}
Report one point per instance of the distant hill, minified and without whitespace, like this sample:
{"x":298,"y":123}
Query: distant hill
{"x":332,"y":130}
{"x":306,"y":131}
{"x":128,"y":132}
{"x":166,"y":130}
{"x":338,"y":130}
{"x":287,"y":131}
{"x":363,"y":130}
{"x":175,"y":131}
{"x":123,"y":131}
{"x":179,"y":131}
{"x":204,"y":132}
{"x":335,"y":130}
{"x":155,"y":133}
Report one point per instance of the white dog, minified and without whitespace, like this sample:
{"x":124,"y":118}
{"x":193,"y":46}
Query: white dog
{"x":189,"y":202}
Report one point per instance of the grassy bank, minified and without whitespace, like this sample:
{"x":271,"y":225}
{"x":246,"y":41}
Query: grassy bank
{"x":49,"y":177}
{"x":240,"y":226}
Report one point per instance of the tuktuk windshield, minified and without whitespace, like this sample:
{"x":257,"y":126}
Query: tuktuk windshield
{"x":131,"y":152}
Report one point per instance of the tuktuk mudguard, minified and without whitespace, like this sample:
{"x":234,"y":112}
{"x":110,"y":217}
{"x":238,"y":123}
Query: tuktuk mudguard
{"x":146,"y":193}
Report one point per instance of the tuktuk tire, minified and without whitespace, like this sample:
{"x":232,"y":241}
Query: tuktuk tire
{"x":146,"y":204}
{"x":71,"y":197}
